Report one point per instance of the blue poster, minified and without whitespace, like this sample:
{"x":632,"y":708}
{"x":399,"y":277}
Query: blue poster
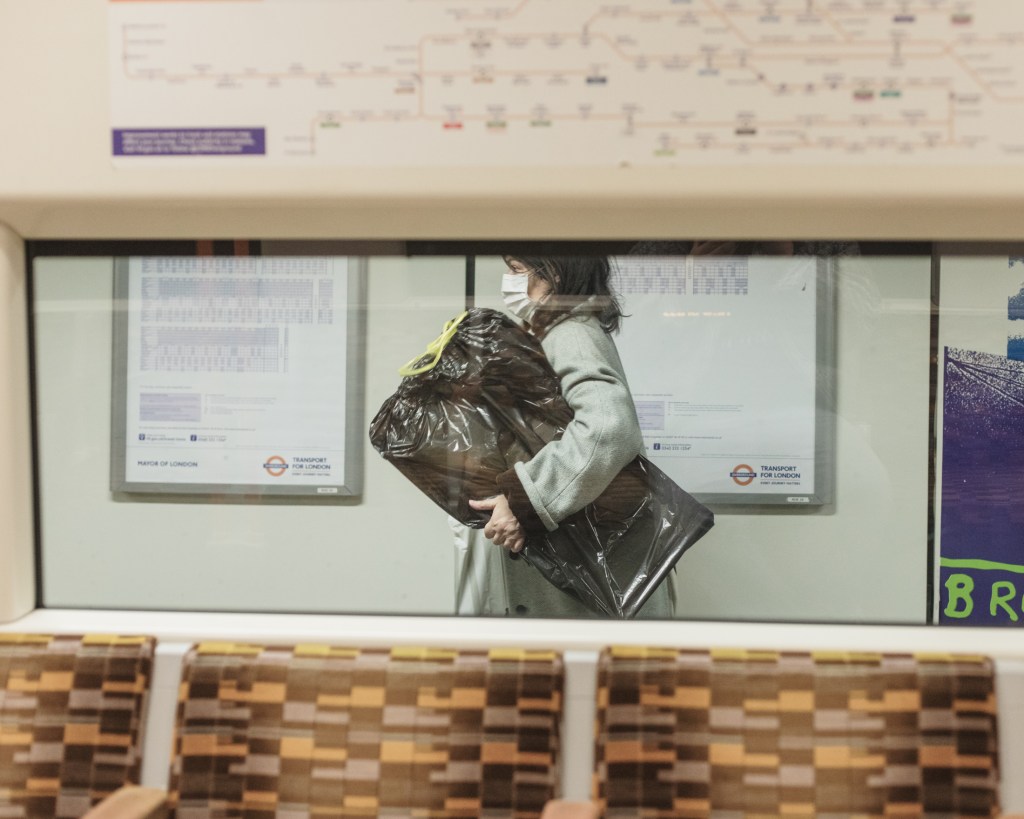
{"x":982,"y":547}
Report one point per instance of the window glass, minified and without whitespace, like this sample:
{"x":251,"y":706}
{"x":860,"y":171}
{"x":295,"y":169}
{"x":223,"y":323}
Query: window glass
{"x":863,"y":542}
{"x":382,"y":551}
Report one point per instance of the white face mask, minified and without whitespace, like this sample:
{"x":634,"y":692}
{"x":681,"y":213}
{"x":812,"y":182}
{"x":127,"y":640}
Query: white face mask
{"x":513,"y":291}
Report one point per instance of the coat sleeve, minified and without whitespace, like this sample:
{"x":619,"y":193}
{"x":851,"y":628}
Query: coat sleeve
{"x":602,"y":438}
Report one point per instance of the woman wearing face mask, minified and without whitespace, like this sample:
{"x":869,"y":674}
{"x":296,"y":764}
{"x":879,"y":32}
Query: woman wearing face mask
{"x":567,"y":303}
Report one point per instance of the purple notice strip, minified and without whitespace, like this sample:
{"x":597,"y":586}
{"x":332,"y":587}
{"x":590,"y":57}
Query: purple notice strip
{"x":190,"y":141}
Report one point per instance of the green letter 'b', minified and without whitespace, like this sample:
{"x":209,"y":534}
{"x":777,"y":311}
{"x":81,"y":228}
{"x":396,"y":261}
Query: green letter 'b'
{"x":959,"y":588}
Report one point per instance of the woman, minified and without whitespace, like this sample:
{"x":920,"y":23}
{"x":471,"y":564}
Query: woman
{"x":567,"y":303}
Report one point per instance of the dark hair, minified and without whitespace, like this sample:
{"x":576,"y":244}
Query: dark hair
{"x":573,"y":281}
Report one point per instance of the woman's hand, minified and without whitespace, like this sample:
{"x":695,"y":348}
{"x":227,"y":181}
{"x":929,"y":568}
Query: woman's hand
{"x":503,"y":528}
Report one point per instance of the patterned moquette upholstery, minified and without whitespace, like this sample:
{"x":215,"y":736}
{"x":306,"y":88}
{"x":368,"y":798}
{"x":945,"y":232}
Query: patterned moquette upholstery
{"x":71,"y":715}
{"x":735,"y":733}
{"x":312,"y":730}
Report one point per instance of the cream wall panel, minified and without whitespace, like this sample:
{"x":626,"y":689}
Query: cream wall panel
{"x":17,"y":565}
{"x":57,"y":178}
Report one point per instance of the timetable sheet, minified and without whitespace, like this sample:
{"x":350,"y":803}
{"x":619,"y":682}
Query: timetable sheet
{"x":236,"y":373}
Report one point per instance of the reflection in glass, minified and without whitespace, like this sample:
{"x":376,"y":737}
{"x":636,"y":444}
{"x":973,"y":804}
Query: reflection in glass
{"x":857,"y":553}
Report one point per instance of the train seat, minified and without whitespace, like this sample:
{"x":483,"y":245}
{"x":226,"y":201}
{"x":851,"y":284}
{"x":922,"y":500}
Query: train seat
{"x":686,"y":733}
{"x":308,"y":730}
{"x":72,"y":711}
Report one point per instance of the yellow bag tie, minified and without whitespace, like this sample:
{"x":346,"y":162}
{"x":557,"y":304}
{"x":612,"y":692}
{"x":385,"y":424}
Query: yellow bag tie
{"x":435,"y":347}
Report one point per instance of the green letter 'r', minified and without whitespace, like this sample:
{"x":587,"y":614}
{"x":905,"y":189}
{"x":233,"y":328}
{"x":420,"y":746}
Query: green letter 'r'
{"x":1002,"y":600}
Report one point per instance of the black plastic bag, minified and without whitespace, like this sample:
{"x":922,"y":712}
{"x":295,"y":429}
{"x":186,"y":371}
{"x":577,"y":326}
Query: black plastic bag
{"x":485,"y":398}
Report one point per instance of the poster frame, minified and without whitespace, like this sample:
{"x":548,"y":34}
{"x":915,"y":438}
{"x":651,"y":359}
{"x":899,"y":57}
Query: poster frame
{"x":355,"y":379}
{"x":825,"y":385}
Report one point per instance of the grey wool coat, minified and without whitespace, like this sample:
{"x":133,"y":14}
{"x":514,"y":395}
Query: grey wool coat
{"x":570,"y":473}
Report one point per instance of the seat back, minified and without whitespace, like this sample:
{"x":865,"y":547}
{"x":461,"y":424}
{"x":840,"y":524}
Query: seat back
{"x":697,"y":733}
{"x":318,"y":730}
{"x":72,"y":709}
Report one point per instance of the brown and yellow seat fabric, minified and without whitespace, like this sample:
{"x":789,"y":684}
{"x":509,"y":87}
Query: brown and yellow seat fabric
{"x":313,"y":730}
{"x":72,"y":710}
{"x":750,"y":733}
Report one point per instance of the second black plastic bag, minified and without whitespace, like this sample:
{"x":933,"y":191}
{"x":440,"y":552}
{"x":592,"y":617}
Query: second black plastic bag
{"x":486,"y":398}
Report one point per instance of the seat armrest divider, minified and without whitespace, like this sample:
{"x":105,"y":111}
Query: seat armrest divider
{"x":132,"y":802}
{"x":565,"y":809}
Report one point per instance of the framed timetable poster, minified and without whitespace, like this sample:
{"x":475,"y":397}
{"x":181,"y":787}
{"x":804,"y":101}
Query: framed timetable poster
{"x":238,"y":375}
{"x":731,"y":362}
